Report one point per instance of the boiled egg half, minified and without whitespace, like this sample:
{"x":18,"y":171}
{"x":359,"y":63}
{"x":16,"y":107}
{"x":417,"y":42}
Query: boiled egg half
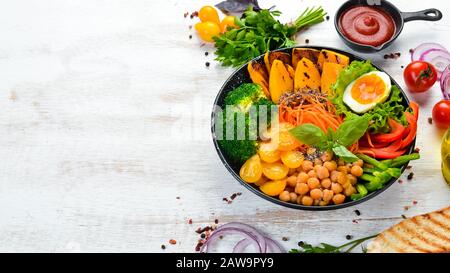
{"x":364,"y":93}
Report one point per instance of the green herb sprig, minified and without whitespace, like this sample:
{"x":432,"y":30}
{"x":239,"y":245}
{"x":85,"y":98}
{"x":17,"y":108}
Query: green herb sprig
{"x":327,"y":248}
{"x":350,"y":131}
{"x":259,"y":32}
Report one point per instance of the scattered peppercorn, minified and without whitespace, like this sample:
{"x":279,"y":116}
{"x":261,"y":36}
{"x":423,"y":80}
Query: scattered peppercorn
{"x":411,"y":50}
{"x":233,"y":196}
{"x":203,"y":235}
{"x":404,"y":216}
{"x":400,"y":181}
{"x":206,"y":53}
{"x":430,"y":120}
{"x":190,"y":36}
{"x":163,"y":247}
{"x":172,"y":241}
{"x":414,"y":202}
{"x":392,"y":55}
{"x":355,"y":221}
{"x":190,"y":221}
{"x":327,"y":17}
{"x":285,"y":239}
{"x":178,"y":197}
{"x":186,"y":14}
{"x":406,"y":207}
{"x":307,"y":41}
{"x":216,"y":221}
{"x":349,"y":237}
{"x":207,"y":64}
{"x":402,"y":66}
{"x":357,"y":212}
{"x":301,"y":243}
{"x":190,"y":26}
{"x":410,"y":175}
{"x":417,"y":150}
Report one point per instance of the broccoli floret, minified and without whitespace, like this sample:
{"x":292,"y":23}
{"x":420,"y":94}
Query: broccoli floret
{"x":244,"y":96}
{"x":240,"y":148}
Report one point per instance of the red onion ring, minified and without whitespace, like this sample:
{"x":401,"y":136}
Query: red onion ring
{"x":445,"y":83}
{"x":251,"y":236}
{"x":420,"y":49}
{"x":439,"y":58}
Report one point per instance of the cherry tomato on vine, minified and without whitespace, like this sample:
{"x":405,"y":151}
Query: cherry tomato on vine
{"x":209,"y":14}
{"x":419,"y":76}
{"x":207,"y":30}
{"x":228,"y":21}
{"x":441,"y":114}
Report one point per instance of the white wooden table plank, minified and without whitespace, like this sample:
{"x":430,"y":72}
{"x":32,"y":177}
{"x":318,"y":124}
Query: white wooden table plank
{"x":106,"y":112}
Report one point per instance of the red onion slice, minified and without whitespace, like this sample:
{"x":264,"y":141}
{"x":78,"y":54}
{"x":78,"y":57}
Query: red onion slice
{"x":420,"y":49}
{"x":445,"y":83}
{"x":250,"y":230}
{"x":227,"y":231}
{"x":439,"y":58}
{"x":273,"y":247}
{"x":241,"y":245}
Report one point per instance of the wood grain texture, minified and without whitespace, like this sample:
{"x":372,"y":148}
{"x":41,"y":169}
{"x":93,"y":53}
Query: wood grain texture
{"x":105,"y":121}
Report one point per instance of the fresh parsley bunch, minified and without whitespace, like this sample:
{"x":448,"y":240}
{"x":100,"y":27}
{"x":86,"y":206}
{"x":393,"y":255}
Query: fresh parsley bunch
{"x":259,"y":32}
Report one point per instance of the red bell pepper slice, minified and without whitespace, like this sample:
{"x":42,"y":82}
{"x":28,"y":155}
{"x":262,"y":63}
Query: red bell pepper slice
{"x":412,"y":130}
{"x":397,"y":131}
{"x":382,"y":154}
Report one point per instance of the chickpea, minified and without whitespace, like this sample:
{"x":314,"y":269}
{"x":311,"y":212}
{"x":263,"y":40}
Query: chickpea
{"x":316,"y":194}
{"x":359,"y":162}
{"x":301,"y":188}
{"x":336,"y":187}
{"x":356,"y":171}
{"x":299,"y":199}
{"x":323,"y":203}
{"x":291,"y":171}
{"x":313,"y":183}
{"x":293,"y":197}
{"x":342,"y":169}
{"x":322,"y":172}
{"x":330,"y":165}
{"x":312,"y":174}
{"x":318,"y":162}
{"x":349,"y":191}
{"x":339,"y":199}
{"x":341,"y":162}
{"x":307,"y":165}
{"x":327,"y":195}
{"x":334,"y":176}
{"x":352,"y":179}
{"x":292,"y":181}
{"x":307,"y":201}
{"x":316,"y":202}
{"x":326,"y":183}
{"x":302,"y":177}
{"x":284,"y":196}
{"x":342,"y":178}
{"x":326,"y":156}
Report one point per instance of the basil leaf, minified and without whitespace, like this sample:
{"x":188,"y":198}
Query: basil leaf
{"x":309,"y":134}
{"x":351,"y":130}
{"x":345,"y":154}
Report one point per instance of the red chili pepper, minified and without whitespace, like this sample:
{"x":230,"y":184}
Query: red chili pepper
{"x":415,"y":107}
{"x":397,"y":131}
{"x":412,"y":130}
{"x":380,"y":153}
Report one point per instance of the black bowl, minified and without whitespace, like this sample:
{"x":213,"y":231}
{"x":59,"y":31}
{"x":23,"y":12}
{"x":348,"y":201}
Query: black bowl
{"x":241,"y":76}
{"x":399,"y":20}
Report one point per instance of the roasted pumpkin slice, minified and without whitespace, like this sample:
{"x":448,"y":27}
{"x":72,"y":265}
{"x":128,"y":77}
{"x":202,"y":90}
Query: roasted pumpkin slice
{"x":269,"y":57}
{"x":299,"y":53}
{"x":259,"y":75}
{"x":330,"y":73}
{"x":280,"y":81}
{"x":331,"y":57}
{"x":291,"y":70}
{"x":307,"y":75}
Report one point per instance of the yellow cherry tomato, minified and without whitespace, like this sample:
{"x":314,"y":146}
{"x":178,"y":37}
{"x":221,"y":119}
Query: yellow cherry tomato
{"x":207,"y":30}
{"x":292,"y":159}
{"x":209,"y":14}
{"x":273,"y":188}
{"x":268,"y":152}
{"x":251,"y":171}
{"x":228,"y":21}
{"x":275,"y":171}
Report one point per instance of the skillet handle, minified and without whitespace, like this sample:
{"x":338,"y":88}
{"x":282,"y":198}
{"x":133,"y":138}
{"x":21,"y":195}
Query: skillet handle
{"x":424,"y":15}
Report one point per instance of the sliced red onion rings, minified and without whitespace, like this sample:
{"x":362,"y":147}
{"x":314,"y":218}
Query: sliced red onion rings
{"x":252,"y":236}
{"x":439,"y":58}
{"x":420,"y":49}
{"x":445,"y":83}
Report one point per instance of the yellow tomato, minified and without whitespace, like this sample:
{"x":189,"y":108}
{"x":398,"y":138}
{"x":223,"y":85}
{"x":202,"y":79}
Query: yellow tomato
{"x":292,"y":159}
{"x":268,"y":152}
{"x":207,"y":30}
{"x":251,"y":171}
{"x":273,"y":188}
{"x":275,"y":171}
{"x":209,"y":14}
{"x":227,"y":22}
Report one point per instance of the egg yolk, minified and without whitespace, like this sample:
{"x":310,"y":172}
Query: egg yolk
{"x":368,"y":89}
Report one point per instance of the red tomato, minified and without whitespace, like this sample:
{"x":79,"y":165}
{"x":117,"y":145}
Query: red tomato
{"x":419,"y":76}
{"x":441,"y":114}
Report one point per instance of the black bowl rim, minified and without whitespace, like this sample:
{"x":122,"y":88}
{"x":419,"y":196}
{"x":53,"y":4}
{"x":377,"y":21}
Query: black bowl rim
{"x":292,"y":205}
{"x":368,"y":48}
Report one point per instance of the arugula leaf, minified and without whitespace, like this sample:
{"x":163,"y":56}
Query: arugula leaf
{"x":345,"y":154}
{"x":309,"y":134}
{"x":327,"y":248}
{"x":351,"y":130}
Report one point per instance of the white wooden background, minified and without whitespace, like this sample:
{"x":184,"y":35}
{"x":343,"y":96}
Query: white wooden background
{"x":105,"y":112}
